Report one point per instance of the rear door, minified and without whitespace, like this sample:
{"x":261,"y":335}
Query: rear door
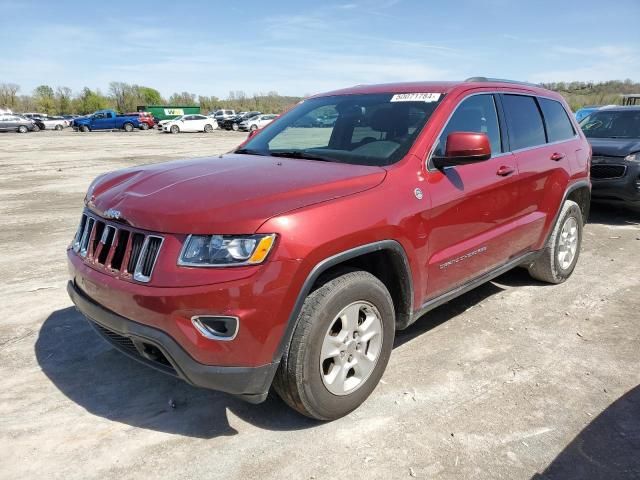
{"x":199,"y":122}
{"x":539,"y":136}
{"x":474,"y":208}
{"x":190,"y":124}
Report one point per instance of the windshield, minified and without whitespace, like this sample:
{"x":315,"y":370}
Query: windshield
{"x":365,"y":129}
{"x":612,"y":124}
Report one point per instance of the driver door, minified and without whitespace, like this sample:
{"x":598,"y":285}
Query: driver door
{"x":474,"y":207}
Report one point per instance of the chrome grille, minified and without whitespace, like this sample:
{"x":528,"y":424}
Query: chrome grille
{"x":117,"y":248}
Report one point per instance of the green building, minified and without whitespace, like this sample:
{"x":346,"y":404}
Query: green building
{"x":164,"y":112}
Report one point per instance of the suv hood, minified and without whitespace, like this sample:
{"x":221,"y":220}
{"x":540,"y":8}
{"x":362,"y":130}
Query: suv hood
{"x":614,"y":147}
{"x":232,"y":194}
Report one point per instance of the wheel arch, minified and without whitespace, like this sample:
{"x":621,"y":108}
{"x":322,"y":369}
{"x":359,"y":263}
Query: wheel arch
{"x":385,"y":259}
{"x":579,"y":192}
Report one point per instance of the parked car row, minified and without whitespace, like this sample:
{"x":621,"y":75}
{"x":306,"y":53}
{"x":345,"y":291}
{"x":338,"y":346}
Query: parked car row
{"x":31,"y":122}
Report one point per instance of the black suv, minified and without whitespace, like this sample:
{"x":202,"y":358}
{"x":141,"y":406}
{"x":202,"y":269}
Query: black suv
{"x":614,"y":135}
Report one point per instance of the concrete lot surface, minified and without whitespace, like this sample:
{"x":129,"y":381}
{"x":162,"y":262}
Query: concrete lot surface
{"x":515,"y":380}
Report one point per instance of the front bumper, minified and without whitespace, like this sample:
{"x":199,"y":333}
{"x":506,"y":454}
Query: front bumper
{"x":157,"y":349}
{"x":615,"y":179}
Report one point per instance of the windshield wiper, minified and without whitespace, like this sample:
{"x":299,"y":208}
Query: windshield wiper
{"x":302,"y":155}
{"x":249,"y":151}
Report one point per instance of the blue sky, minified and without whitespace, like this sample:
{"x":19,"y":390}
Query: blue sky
{"x":299,"y":47}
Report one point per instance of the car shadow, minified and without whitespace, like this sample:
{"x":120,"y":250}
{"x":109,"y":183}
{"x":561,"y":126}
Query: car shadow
{"x":611,"y":213}
{"x":91,"y":373}
{"x":443,"y":313}
{"x":111,"y":385}
{"x":607,"y":449}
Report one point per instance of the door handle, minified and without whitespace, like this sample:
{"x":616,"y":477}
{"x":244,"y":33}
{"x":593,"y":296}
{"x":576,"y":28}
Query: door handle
{"x":556,"y":157}
{"x":505,"y":170}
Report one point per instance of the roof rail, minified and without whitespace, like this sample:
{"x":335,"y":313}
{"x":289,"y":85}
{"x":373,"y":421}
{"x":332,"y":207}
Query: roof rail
{"x":500,"y":80}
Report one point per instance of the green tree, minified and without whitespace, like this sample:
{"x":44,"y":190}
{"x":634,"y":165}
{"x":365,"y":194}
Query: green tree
{"x":63,"y":100}
{"x":45,"y":99}
{"x":150,"y":96}
{"x":89,"y":101}
{"x":184,"y":98}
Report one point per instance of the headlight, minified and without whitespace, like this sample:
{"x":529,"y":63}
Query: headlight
{"x":225,"y":250}
{"x":634,"y":157}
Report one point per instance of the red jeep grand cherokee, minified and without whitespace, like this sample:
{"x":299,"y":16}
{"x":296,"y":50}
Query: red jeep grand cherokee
{"x":293,"y":260}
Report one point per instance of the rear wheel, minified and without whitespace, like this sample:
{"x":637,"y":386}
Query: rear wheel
{"x":23,"y":129}
{"x":175,"y":129}
{"x":340,"y":347}
{"x":235,"y":127}
{"x":128,"y":127}
{"x":560,"y":255}
{"x":253,"y":128}
{"x":36,"y":128}
{"x":144,"y":126}
{"x":208,"y":128}
{"x":58,"y":127}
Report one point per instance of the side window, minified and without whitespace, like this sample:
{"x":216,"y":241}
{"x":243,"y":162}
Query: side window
{"x":555,"y":118}
{"x":525,"y":123}
{"x":475,"y":114}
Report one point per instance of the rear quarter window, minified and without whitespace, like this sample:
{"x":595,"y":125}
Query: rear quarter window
{"x":559,"y":126}
{"x":524,"y":121}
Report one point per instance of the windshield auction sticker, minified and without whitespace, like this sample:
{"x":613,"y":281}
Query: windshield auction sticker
{"x":416,"y":97}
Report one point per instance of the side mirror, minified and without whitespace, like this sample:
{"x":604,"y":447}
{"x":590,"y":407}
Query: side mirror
{"x":463,"y":148}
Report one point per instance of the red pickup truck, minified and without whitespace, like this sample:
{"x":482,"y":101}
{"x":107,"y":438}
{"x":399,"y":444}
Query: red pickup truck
{"x":292,"y":261}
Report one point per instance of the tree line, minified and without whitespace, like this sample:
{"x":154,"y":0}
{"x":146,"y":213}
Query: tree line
{"x":580,"y":94}
{"x":124,"y":97}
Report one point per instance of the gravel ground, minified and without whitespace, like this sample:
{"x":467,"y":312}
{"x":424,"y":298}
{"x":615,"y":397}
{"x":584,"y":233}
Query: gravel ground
{"x":514,"y":380}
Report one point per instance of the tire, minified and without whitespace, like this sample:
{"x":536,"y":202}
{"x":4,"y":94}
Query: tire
{"x":127,"y":127}
{"x":253,"y":127}
{"x":84,"y":128}
{"x":208,"y":128}
{"x":144,"y":126}
{"x":58,"y":127}
{"x":22,"y":129}
{"x":560,"y":255}
{"x":175,"y":129}
{"x":304,"y":375}
{"x":235,"y":127}
{"x":36,"y":128}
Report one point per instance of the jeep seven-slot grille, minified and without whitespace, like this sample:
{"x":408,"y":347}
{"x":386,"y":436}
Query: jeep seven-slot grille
{"x":116,"y":248}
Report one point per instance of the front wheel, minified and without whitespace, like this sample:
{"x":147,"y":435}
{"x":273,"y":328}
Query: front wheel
{"x":23,"y":129}
{"x":235,"y":127}
{"x":128,"y":127}
{"x":208,"y":128}
{"x":84,"y":128}
{"x":560,"y":255}
{"x":253,"y":128}
{"x":175,"y":129}
{"x":144,"y":126}
{"x":340,"y":347}
{"x":58,"y":127}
